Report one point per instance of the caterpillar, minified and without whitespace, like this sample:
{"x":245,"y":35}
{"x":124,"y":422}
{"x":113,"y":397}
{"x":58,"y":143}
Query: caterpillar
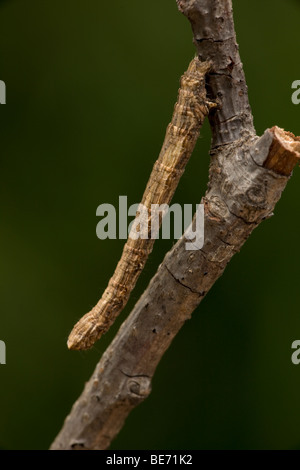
{"x":181,"y":136}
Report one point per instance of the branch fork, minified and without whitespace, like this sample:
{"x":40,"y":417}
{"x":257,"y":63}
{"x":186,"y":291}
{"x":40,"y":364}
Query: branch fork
{"x":246,"y":179}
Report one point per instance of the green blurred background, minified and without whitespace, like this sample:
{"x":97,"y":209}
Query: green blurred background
{"x":90,"y":90}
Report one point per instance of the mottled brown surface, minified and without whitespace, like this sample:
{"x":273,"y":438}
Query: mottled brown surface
{"x":182,"y":133}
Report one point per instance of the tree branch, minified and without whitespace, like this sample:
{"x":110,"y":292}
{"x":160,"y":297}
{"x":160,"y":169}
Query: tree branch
{"x":215,"y":40}
{"x":246,"y":179}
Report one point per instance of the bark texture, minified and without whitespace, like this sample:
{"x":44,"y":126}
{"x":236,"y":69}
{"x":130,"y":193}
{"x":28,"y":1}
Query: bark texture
{"x":246,"y":179}
{"x":215,"y":40}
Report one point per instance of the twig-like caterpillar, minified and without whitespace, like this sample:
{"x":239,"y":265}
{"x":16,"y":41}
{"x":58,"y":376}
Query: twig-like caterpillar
{"x":182,"y":133}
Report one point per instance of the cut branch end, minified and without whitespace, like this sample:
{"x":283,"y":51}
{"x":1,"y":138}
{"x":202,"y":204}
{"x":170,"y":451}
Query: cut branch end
{"x":284,"y":153}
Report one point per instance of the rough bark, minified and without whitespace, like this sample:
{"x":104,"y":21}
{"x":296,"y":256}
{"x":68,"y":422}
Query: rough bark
{"x":215,"y":40}
{"x":247,"y":177}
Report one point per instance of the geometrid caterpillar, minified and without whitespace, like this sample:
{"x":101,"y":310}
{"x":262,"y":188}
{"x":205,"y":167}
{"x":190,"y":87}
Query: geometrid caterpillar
{"x":182,"y":133}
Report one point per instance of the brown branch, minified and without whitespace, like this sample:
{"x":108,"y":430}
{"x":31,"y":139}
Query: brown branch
{"x":215,"y":40}
{"x":246,"y":179}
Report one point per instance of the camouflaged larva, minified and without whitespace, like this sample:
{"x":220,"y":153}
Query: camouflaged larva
{"x":182,"y":133}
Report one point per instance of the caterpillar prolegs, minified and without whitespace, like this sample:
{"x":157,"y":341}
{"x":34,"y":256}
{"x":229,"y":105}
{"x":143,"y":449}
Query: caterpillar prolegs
{"x":182,"y":133}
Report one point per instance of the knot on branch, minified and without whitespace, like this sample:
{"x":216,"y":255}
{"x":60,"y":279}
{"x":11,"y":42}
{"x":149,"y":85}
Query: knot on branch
{"x":139,"y":386}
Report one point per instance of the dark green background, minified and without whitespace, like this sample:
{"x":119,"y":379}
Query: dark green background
{"x":90,"y":89}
